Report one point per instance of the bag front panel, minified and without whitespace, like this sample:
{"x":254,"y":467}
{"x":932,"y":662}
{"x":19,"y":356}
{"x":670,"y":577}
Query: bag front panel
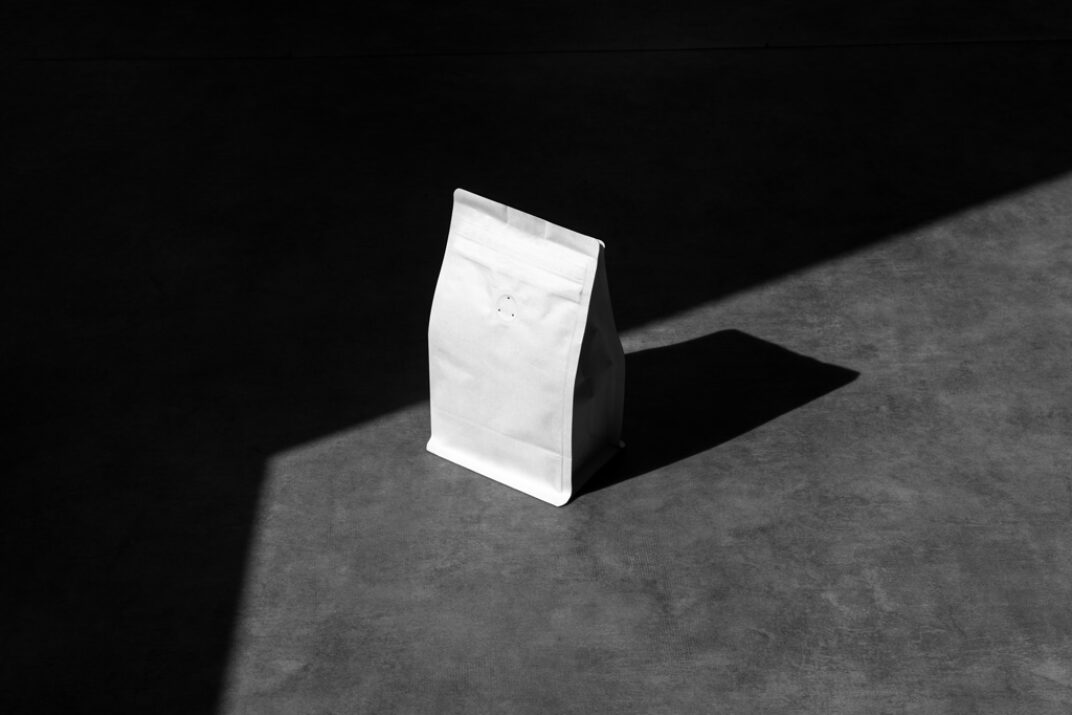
{"x":499,"y":345}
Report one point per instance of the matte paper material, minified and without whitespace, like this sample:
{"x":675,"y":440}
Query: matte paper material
{"x":525,"y":365}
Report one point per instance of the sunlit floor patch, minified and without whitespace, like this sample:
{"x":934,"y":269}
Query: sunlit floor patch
{"x":901,"y":537}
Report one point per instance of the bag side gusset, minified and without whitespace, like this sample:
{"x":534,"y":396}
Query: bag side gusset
{"x":599,"y":394}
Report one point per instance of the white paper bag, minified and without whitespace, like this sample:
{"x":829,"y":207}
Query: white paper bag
{"x":525,"y":365}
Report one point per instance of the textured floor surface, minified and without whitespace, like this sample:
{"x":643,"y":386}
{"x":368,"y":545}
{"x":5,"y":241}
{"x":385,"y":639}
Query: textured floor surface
{"x":843,"y":275}
{"x":900,"y":544}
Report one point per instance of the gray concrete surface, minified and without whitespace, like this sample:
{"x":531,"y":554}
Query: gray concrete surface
{"x":901,"y":544}
{"x":843,"y":276}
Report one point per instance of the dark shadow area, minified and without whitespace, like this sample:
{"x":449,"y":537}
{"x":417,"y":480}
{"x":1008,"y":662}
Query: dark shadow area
{"x":208,"y":262}
{"x":687,"y":398}
{"x":198,"y":28}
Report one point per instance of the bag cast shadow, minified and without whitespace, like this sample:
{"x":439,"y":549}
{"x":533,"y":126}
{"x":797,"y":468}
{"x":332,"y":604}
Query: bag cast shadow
{"x":684,"y":399}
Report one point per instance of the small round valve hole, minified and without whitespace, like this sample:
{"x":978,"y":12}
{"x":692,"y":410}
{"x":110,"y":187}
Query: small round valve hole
{"x":506,"y":308}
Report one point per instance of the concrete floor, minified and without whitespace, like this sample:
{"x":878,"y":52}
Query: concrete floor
{"x":900,"y":544}
{"x":843,"y":275}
